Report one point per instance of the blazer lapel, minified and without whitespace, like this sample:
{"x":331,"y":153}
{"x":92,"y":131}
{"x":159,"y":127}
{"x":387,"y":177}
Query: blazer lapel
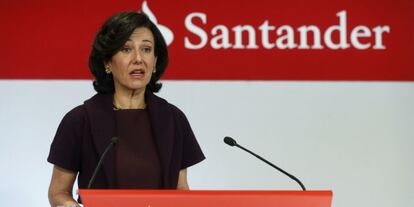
{"x":102,"y":122}
{"x":162,"y":124}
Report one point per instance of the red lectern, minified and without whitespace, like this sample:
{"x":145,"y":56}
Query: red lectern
{"x":204,"y":198}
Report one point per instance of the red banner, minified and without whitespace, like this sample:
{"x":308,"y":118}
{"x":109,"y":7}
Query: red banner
{"x":221,"y":40}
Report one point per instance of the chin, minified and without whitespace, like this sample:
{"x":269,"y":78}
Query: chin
{"x":137,"y":87}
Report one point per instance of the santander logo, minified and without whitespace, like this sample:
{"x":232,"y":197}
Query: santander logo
{"x":165,"y":31}
{"x":283,"y":37}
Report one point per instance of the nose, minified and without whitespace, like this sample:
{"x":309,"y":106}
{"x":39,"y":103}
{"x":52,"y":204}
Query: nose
{"x":138,"y":58}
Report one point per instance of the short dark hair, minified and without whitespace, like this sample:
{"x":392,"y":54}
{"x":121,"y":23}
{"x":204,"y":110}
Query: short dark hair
{"x":111,"y":37}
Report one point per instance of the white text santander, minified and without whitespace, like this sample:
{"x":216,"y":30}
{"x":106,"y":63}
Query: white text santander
{"x":283,"y":37}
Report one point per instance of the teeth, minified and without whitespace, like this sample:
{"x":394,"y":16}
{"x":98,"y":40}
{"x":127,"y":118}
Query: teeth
{"x":137,"y":72}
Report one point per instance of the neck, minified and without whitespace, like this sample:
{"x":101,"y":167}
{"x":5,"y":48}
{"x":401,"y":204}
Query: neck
{"x":129,"y":100}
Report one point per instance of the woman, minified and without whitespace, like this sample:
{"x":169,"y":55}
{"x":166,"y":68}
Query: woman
{"x":156,"y":143}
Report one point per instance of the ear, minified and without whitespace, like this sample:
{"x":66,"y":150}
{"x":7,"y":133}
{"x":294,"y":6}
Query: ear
{"x":107,"y":63}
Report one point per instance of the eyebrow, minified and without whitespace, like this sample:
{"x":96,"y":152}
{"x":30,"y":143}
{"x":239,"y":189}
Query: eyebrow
{"x":129,"y":40}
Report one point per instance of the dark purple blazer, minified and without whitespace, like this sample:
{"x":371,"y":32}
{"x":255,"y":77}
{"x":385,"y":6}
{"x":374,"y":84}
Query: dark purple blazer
{"x":86,"y":130}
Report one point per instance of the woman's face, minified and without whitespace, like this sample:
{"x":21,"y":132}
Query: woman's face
{"x":133,"y":65}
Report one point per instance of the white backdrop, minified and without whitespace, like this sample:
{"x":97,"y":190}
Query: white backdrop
{"x":355,"y":138}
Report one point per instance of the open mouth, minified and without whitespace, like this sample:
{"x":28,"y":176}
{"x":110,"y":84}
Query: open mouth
{"x":137,"y":73}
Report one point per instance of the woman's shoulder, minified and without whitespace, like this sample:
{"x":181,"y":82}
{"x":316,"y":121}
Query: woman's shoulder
{"x":80,"y":110}
{"x":161,"y":102}
{"x":75,"y":115}
{"x":96,"y":103}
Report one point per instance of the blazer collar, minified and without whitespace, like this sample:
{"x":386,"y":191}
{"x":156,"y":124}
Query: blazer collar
{"x":102,"y":121}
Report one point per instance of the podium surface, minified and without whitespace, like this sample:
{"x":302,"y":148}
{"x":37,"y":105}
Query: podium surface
{"x":204,"y":198}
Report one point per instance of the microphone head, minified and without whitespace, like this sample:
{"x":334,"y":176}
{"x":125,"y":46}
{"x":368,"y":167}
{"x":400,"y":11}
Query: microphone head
{"x":114,"y":140}
{"x":230,"y":141}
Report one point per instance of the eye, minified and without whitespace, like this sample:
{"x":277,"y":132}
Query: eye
{"x":125,"y":49}
{"x":146,"y":49}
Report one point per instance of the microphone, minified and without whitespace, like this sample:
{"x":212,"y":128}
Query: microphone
{"x":230,"y":141}
{"x":114,"y":140}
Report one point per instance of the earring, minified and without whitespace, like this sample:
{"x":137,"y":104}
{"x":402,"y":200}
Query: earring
{"x":107,"y":69}
{"x":154,"y":71}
